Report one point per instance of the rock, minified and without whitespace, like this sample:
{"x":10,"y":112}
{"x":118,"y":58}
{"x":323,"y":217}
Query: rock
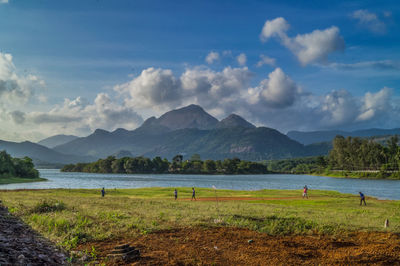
{"x":21,"y":259}
{"x":250,"y":241}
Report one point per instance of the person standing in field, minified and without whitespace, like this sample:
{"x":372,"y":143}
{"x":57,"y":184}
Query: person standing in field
{"x":362,"y":198}
{"x":103,"y":192}
{"x":305,"y":191}
{"x":176,"y":193}
{"x":193,"y":194}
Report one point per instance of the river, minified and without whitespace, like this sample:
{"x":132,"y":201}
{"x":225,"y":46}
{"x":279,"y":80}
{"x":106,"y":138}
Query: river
{"x":382,"y":189}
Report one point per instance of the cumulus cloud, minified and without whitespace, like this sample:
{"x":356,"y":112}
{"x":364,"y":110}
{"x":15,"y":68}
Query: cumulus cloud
{"x":266,"y":60}
{"x":3,"y":2}
{"x":212,"y":57}
{"x":275,"y":28}
{"x":338,"y":108}
{"x":14,"y":87}
{"x":242,"y":59}
{"x":374,"y":104}
{"x":153,"y":87}
{"x":278,"y":91}
{"x":103,"y":113}
{"x":161,"y":89}
{"x":369,"y":20}
{"x":309,"y":47}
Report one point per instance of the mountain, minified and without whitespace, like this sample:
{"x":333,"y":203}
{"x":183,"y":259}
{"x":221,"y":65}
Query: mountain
{"x":328,"y":135}
{"x":190,"y":130}
{"x":56,"y":140}
{"x":234,"y":121}
{"x":192,"y":116}
{"x":40,"y":154}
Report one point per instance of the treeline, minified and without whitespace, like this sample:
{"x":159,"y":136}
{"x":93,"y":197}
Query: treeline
{"x":16,"y":167}
{"x":364,"y":154}
{"x":351,"y":156}
{"x":142,"y":165}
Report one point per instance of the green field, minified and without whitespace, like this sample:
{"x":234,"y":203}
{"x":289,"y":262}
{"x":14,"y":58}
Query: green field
{"x":14,"y":180}
{"x":70,"y":217}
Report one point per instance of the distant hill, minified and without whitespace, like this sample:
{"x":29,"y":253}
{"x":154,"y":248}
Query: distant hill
{"x":328,"y":135}
{"x":192,"y":116}
{"x":187,"y":131}
{"x":234,"y":121}
{"x":56,"y":140}
{"x":40,"y":154}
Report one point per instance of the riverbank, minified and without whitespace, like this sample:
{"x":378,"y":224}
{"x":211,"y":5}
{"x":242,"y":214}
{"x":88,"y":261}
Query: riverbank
{"x":79,"y":219}
{"x":374,"y":175}
{"x":16,"y":180}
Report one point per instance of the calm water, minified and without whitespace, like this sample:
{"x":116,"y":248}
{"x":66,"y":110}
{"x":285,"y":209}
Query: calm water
{"x":383,"y":189}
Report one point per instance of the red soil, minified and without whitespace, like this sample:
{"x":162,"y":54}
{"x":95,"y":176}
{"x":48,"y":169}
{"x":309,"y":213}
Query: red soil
{"x":230,"y":246}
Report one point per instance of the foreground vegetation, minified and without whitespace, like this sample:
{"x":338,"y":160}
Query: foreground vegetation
{"x":72,"y":217}
{"x":350,"y":157}
{"x":142,"y":165}
{"x":17,"y":170}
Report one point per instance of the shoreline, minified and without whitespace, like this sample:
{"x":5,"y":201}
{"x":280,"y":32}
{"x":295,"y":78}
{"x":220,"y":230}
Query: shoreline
{"x":19,"y":180}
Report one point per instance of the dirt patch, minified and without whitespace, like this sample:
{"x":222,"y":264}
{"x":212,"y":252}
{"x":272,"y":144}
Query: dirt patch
{"x":238,"y":198}
{"x":236,"y":246}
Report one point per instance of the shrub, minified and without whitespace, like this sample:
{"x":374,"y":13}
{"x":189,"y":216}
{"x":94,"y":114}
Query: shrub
{"x":45,"y":206}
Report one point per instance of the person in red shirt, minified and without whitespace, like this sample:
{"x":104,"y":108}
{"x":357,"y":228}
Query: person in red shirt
{"x":305,"y":190}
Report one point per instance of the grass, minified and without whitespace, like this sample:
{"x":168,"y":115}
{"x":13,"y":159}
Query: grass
{"x":13,"y":180}
{"x":76,"y":216}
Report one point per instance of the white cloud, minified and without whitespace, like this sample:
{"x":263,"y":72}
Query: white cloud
{"x":266,"y":60}
{"x":153,"y":87}
{"x":274,"y":28}
{"x":309,"y":47}
{"x":374,"y":104}
{"x":278,"y":91}
{"x":338,"y":107}
{"x":103,"y":113}
{"x":3,"y":1}
{"x":370,"y":21}
{"x":212,"y":57}
{"x":242,"y":59}
{"x":15,"y":88}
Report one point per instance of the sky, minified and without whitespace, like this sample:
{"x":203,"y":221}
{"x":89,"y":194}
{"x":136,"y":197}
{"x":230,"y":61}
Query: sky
{"x":70,"y":67}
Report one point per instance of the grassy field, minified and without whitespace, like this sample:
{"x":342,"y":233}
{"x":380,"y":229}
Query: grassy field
{"x":71,"y":217}
{"x":13,"y":180}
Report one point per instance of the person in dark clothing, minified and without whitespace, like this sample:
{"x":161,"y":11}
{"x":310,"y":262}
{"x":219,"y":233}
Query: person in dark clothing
{"x":362,"y":199}
{"x":176,"y":194}
{"x":103,"y":192}
{"x":193,"y":194}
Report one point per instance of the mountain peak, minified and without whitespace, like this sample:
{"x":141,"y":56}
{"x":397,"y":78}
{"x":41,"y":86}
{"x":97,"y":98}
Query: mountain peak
{"x":100,"y":131}
{"x":191,"y":116}
{"x":234,"y":120}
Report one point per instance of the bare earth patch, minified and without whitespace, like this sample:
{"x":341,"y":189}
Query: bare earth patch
{"x":231,"y":246}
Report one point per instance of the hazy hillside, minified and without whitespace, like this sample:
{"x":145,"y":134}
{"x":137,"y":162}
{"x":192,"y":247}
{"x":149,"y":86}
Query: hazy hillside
{"x":328,"y":135}
{"x":56,"y":140}
{"x":40,"y":154}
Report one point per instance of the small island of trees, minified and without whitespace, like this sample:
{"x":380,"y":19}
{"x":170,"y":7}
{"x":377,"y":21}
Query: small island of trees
{"x":142,"y":165}
{"x":16,"y":169}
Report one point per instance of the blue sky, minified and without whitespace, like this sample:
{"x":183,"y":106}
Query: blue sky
{"x":142,"y":58}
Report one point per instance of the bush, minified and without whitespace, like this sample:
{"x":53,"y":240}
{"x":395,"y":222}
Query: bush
{"x":48,"y":206}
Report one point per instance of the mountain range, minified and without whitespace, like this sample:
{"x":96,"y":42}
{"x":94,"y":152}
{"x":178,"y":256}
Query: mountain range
{"x":187,"y":131}
{"x":190,"y":130}
{"x":328,"y":135}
